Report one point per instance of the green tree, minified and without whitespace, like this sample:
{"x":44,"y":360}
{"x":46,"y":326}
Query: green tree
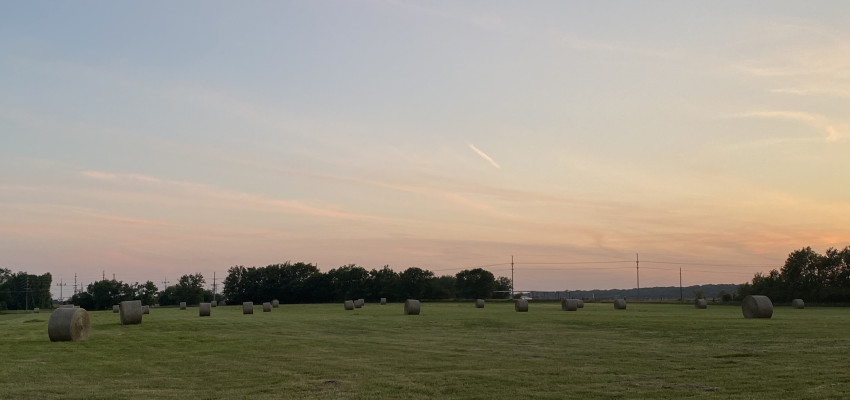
{"x":190,"y":288}
{"x":148,"y":293}
{"x":415,"y":282}
{"x":475,"y":284}
{"x":502,"y":289}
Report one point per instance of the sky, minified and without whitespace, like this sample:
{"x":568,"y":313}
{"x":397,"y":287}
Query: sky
{"x":146,"y":140}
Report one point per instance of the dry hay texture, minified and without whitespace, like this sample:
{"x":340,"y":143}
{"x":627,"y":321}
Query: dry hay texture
{"x":798,"y":304}
{"x":580,"y":303}
{"x":701,"y":304}
{"x":349,"y":305}
{"x":115,"y":308}
{"x":275,"y":303}
{"x":146,"y":310}
{"x":204,"y":309}
{"x":620,"y":304}
{"x":479,"y":303}
{"x":267,"y":307}
{"x":521,"y":305}
{"x":383,"y":301}
{"x":130,"y":312}
{"x":182,"y":305}
{"x":68,"y":325}
{"x":248,"y":307}
{"x":756,"y":306}
{"x":569,"y":305}
{"x":411,"y":307}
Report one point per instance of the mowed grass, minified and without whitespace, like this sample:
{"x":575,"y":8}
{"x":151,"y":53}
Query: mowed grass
{"x":451,"y":350}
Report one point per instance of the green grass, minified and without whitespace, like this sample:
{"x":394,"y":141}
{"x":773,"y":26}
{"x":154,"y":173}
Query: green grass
{"x":451,"y":350}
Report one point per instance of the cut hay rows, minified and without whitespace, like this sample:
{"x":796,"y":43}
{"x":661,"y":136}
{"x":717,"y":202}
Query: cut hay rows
{"x":521,"y":305}
{"x":700,"y":304}
{"x":248,"y":307}
{"x":411,"y":307}
{"x":68,"y":325}
{"x":130,"y":312}
{"x":569,"y":305}
{"x":204,"y":309}
{"x":267,"y":307}
{"x":620,"y":304}
{"x":755,"y":306}
{"x":349,"y":305}
{"x":798,"y":304}
{"x":479,"y":303}
{"x":182,"y":305}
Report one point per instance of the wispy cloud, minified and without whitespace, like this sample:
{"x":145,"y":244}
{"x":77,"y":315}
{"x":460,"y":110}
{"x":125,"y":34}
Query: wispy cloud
{"x":484,"y":156}
{"x":834,"y":130}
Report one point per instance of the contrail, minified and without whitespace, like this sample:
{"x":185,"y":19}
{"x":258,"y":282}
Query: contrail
{"x":484,"y":156}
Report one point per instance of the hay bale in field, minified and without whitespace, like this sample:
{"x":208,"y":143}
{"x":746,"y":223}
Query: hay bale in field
{"x":36,"y":310}
{"x":620,"y":304}
{"x":411,"y":307}
{"x":68,"y":325}
{"x":569,"y":305}
{"x":756,"y":306}
{"x":383,"y":301}
{"x":267,"y":307}
{"x":580,"y":303}
{"x":248,"y":307}
{"x":798,"y":303}
{"x":146,"y":310}
{"x":275,"y":303}
{"x":182,"y":305}
{"x":700,"y":304}
{"x":213,"y":303}
{"x":358,"y":303}
{"x":204,"y":309}
{"x":479,"y":303}
{"x":521,"y":305}
{"x":115,"y":308}
{"x":349,"y":305}
{"x":130,"y":312}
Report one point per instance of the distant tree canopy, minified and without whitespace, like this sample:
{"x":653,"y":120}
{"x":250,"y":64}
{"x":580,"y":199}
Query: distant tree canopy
{"x":806,"y":275}
{"x":304,"y":283}
{"x":19,"y":291}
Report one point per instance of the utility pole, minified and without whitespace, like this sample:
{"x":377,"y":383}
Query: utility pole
{"x":512,"y":276}
{"x":214,"y":286}
{"x":637,"y":267}
{"x":75,"y":283}
{"x":113,"y":276}
{"x":681,"y":291}
{"x":103,"y":277}
{"x":60,"y":284}
{"x":27,"y":294}
{"x":165,"y":283}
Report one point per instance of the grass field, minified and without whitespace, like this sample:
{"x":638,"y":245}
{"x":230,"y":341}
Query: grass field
{"x":451,"y":350}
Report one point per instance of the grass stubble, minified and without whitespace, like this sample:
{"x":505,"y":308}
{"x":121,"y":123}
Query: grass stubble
{"x":451,"y":350}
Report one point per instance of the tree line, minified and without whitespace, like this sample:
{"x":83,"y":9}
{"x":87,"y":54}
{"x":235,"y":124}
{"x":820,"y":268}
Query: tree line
{"x":806,"y":275}
{"x":23,"y":291}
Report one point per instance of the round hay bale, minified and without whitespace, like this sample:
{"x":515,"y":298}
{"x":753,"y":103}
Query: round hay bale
{"x":204,"y":309}
{"x":68,"y":325}
{"x":756,"y":306}
{"x":383,"y":301}
{"x":182,"y":305}
{"x":213,"y":303}
{"x":36,"y":310}
{"x":580,"y":303}
{"x":569,"y":305}
{"x":700,"y":304}
{"x":130,"y":312}
{"x":358,"y":303}
{"x":248,"y":307}
{"x":275,"y":303}
{"x":115,"y":308}
{"x":411,"y":307}
{"x":267,"y":307}
{"x":620,"y":304}
{"x":798,"y":304}
{"x":521,"y":305}
{"x":349,"y":305}
{"x":146,"y":310}
{"x":479,"y":303}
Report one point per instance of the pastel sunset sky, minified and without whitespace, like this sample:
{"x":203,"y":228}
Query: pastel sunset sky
{"x":152,"y":139}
